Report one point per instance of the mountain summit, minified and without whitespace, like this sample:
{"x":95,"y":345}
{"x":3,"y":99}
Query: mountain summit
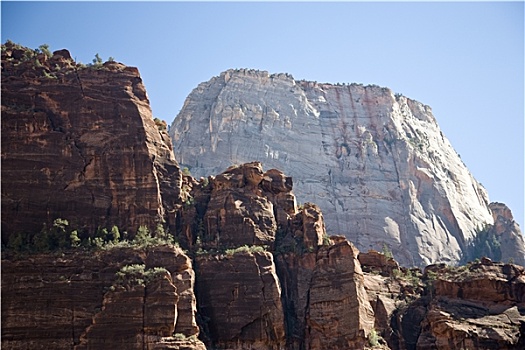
{"x":376,"y":162}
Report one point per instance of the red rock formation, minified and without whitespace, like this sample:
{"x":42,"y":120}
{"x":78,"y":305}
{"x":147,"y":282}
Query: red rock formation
{"x":480,"y":306}
{"x":323,"y":287}
{"x":339,"y":314}
{"x":80,"y":143}
{"x":240,"y":300}
{"x":237,"y":212}
{"x":373,"y":261}
{"x":241,"y":206}
{"x":71,"y":300}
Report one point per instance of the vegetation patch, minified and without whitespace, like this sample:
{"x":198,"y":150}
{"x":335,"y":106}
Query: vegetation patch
{"x":485,"y":244}
{"x":137,"y":275}
{"x":60,"y":236}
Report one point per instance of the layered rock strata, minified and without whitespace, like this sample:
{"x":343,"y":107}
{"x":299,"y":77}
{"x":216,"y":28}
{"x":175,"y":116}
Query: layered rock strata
{"x":310,"y":296}
{"x":478,"y":306}
{"x":240,"y":297}
{"x":265,"y":273}
{"x":74,"y":300}
{"x":80,"y":143}
{"x":297,"y":289}
{"x":375,"y":162}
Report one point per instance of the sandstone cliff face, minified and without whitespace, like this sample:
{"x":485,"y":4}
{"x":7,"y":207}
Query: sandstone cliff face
{"x":297,"y":289}
{"x":476,"y":306}
{"x":375,"y":162}
{"x":240,"y":299}
{"x":74,"y":300}
{"x":264,"y":274}
{"x":310,"y":296}
{"x":80,"y":143}
{"x":479,"y":306}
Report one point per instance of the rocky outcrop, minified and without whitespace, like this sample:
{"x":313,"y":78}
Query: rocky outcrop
{"x":375,"y":262}
{"x":80,"y":143}
{"x":241,"y":206}
{"x":375,"y":162}
{"x":508,"y":234}
{"x":79,"y":300}
{"x":301,"y":291}
{"x":476,"y":306}
{"x":324,"y":304}
{"x":324,"y":298}
{"x":479,"y":306}
{"x":339,"y":315}
{"x":265,"y":274}
{"x":240,"y":300}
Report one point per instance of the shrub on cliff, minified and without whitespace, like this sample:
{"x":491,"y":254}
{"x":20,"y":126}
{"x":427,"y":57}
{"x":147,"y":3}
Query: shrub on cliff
{"x":44,"y":48}
{"x":137,"y":274}
{"x":161,"y":124}
{"x":245,"y":249}
{"x":61,"y":236}
{"x":54,"y":238}
{"x":97,"y":61}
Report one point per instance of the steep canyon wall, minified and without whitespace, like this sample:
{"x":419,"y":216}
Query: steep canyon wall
{"x":375,"y":162}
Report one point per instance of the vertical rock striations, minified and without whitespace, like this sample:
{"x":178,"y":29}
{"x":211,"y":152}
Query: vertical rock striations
{"x":240,"y":300}
{"x":79,"y":300}
{"x":80,"y":143}
{"x":375,"y":162}
{"x":308,"y":294}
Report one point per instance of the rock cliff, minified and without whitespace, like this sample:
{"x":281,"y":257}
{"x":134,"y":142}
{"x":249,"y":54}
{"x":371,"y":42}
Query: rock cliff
{"x":478,"y":306}
{"x":257,"y":271}
{"x":375,"y":162}
{"x":80,"y":143}
{"x":81,"y":300}
{"x":307,"y":294}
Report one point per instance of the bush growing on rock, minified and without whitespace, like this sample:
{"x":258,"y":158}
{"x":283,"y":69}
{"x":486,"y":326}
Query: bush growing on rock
{"x":61,"y":236}
{"x":44,"y":48}
{"x":137,"y":274}
{"x":245,"y":249}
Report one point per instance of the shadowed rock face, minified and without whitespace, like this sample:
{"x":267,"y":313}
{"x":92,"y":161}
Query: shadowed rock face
{"x":240,"y":295}
{"x":81,"y":144}
{"x":508,"y":233}
{"x":308,"y":294}
{"x":266,"y":274}
{"x":376,"y":163}
{"x":74,"y":300}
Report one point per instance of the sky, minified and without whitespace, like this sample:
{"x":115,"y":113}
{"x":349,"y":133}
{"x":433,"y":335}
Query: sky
{"x":465,"y":60}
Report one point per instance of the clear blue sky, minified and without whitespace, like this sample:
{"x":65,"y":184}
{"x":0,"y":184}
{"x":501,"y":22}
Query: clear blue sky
{"x":465,"y":60}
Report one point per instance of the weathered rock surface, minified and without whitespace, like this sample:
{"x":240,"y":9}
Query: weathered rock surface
{"x":480,"y":306}
{"x":324,"y":304}
{"x":72,"y":300}
{"x":241,"y":206}
{"x":325,"y":299}
{"x":240,"y":295}
{"x":267,"y":275}
{"x":477,"y":306}
{"x":375,"y":162}
{"x":508,"y":233}
{"x":339,"y":315}
{"x":373,"y":261}
{"x":80,"y":143}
